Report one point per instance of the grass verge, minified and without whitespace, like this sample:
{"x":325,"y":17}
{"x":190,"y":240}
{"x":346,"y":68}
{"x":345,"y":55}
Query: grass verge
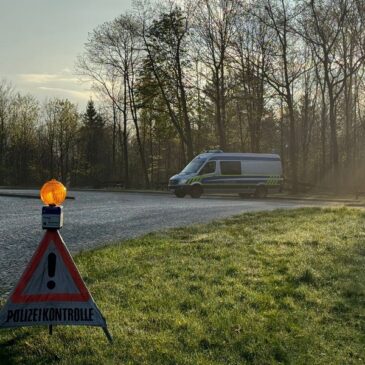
{"x":263,"y":288}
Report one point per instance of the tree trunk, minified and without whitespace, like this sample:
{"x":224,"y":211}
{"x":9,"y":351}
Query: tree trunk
{"x":187,"y":124}
{"x":114,"y":137}
{"x":218,"y":111}
{"x":125,"y":133}
{"x":133,"y":108}
{"x":292,"y":147}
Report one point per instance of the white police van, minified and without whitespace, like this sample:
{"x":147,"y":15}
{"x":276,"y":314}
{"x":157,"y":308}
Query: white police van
{"x":219,"y":172}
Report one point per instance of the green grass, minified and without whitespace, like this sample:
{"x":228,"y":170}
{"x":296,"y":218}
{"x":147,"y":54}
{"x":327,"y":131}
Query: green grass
{"x":265,"y":288}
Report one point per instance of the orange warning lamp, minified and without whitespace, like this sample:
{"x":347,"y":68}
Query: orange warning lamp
{"x":53,"y":192}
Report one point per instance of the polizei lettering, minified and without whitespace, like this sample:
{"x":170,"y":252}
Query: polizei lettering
{"x":50,"y":315}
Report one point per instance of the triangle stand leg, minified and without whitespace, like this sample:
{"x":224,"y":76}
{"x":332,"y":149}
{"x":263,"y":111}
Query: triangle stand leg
{"x":107,"y":334}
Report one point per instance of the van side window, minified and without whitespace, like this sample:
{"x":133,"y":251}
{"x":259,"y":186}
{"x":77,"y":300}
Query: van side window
{"x":230,"y":167}
{"x":209,"y":168}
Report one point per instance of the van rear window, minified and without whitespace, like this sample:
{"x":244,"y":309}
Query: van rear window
{"x":230,"y":167}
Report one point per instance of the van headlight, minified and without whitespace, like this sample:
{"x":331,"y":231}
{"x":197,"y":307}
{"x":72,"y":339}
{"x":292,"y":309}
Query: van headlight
{"x":178,"y":181}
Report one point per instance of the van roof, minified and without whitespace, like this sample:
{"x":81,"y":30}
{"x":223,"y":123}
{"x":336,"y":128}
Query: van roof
{"x":240,"y":156}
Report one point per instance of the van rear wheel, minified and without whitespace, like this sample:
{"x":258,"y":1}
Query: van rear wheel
{"x":261,"y":192}
{"x":244,"y":195}
{"x":196,"y":191}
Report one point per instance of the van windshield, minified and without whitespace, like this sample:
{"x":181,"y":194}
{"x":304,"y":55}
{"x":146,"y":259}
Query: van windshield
{"x":193,"y":166}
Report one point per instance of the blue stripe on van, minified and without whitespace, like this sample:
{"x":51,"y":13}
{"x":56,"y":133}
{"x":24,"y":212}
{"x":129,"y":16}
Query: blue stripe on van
{"x":244,"y":177}
{"x":243,"y":158}
{"x":232,"y":180}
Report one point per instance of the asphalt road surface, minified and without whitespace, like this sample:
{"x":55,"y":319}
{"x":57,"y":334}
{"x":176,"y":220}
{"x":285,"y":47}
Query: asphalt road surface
{"x":96,"y":218}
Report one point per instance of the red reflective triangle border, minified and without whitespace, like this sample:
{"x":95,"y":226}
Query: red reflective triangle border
{"x":83,"y":295}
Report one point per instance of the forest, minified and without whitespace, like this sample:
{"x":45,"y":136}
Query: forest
{"x":174,"y":78}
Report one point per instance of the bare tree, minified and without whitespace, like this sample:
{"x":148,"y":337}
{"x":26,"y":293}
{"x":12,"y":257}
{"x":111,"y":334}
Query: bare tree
{"x":112,"y":54}
{"x":322,"y":25}
{"x":249,"y":57}
{"x":214,"y":25}
{"x":23,"y":119}
{"x":6,"y":95}
{"x":62,"y":123}
{"x":165,"y":42}
{"x":284,"y":68}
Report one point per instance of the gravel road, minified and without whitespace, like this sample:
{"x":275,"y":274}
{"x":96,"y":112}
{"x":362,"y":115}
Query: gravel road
{"x":96,"y":218}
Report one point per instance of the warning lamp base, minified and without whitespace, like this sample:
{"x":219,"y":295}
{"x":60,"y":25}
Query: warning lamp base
{"x":52,"y":217}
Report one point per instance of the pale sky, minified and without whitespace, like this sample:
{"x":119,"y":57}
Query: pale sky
{"x":41,"y":39}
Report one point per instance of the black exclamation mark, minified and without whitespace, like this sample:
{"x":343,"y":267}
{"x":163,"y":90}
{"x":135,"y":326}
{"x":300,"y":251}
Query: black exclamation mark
{"x":51,"y":270}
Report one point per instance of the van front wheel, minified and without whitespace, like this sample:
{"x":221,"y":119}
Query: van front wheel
{"x":180,"y":193}
{"x":261,"y":192}
{"x":196,"y":191}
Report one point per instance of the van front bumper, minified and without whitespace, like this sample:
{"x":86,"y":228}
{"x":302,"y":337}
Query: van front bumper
{"x":176,"y":187}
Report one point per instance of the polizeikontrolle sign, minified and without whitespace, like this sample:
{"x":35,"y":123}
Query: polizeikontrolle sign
{"x":51,"y":291}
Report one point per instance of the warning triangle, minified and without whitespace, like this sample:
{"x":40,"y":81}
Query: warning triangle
{"x":51,"y":291}
{"x":51,"y":275}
